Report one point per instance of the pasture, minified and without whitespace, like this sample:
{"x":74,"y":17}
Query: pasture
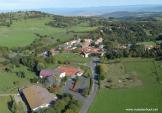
{"x":148,"y":95}
{"x":22,"y":32}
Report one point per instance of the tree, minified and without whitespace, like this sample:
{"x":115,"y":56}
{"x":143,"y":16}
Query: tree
{"x":102,"y":77}
{"x":161,"y":45}
{"x":126,"y":52}
{"x":58,"y":40}
{"x":64,"y":79}
{"x":12,"y":105}
{"x":84,"y":91}
{"x":69,"y":111}
{"x":20,"y":74}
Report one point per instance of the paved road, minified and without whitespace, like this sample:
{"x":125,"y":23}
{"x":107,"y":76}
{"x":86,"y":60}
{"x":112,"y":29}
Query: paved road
{"x":95,"y":87}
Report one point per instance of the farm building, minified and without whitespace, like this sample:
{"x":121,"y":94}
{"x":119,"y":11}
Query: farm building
{"x":37,"y":97}
{"x":86,"y":52}
{"x":46,"y":73}
{"x":69,"y":71}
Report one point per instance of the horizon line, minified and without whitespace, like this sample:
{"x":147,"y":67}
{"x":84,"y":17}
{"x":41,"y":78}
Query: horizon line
{"x":79,"y":7}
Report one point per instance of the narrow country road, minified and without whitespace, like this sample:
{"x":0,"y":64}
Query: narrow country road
{"x":94,"y":89}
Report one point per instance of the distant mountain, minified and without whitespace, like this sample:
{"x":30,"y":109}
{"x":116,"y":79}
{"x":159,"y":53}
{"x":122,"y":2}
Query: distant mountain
{"x":93,"y":11}
{"x":121,"y":14}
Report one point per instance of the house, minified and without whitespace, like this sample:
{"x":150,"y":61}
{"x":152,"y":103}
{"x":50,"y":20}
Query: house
{"x":69,"y":71}
{"x":99,"y":41}
{"x":52,"y":77}
{"x":129,"y":46}
{"x":67,"y":50}
{"x":37,"y":97}
{"x":86,"y":43}
{"x":72,"y":42}
{"x":54,"y":51}
{"x":101,"y":46}
{"x":45,"y":73}
{"x":91,"y":51}
{"x":149,"y":47}
{"x":44,"y":54}
{"x":122,"y":46}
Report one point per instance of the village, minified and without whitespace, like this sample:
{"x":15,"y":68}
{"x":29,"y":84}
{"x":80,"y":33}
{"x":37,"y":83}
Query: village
{"x":84,"y":47}
{"x":70,"y":79}
{"x":76,"y":69}
{"x":75,"y":79}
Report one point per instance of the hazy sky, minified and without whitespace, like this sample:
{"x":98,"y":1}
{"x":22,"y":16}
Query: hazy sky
{"x":30,"y":4}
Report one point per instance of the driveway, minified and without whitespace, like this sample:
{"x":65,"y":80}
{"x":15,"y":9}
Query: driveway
{"x":76,"y":95}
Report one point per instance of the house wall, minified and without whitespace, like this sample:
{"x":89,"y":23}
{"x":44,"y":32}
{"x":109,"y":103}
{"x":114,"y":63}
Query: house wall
{"x":40,"y":107}
{"x":62,"y":75}
{"x":79,"y":74}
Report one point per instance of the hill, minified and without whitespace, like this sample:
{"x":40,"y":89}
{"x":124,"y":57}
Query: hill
{"x":19,"y":29}
{"x":93,"y":11}
{"x":121,"y":14}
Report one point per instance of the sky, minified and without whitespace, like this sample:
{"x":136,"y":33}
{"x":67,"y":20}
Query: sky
{"x":35,"y":4}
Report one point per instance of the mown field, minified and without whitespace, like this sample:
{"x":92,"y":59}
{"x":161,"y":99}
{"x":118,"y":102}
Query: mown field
{"x":148,"y":95}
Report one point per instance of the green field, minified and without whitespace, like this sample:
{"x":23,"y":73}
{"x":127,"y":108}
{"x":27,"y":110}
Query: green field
{"x":20,"y":107}
{"x":148,"y":43}
{"x":80,"y":28}
{"x":21,"y":32}
{"x":148,"y":95}
{"x":8,"y":78}
{"x":3,"y":104}
{"x":73,"y":58}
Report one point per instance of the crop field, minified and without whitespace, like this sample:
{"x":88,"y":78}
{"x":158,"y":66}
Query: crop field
{"x":147,"y":95}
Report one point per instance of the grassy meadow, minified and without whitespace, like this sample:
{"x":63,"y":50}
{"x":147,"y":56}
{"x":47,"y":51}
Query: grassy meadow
{"x":73,"y":58}
{"x":148,"y":95}
{"x":22,"y":32}
{"x":8,"y":78}
{"x":3,"y":104}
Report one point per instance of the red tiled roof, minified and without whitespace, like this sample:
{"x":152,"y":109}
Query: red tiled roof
{"x":68,"y":70}
{"x":46,"y":73}
{"x":91,"y":50}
